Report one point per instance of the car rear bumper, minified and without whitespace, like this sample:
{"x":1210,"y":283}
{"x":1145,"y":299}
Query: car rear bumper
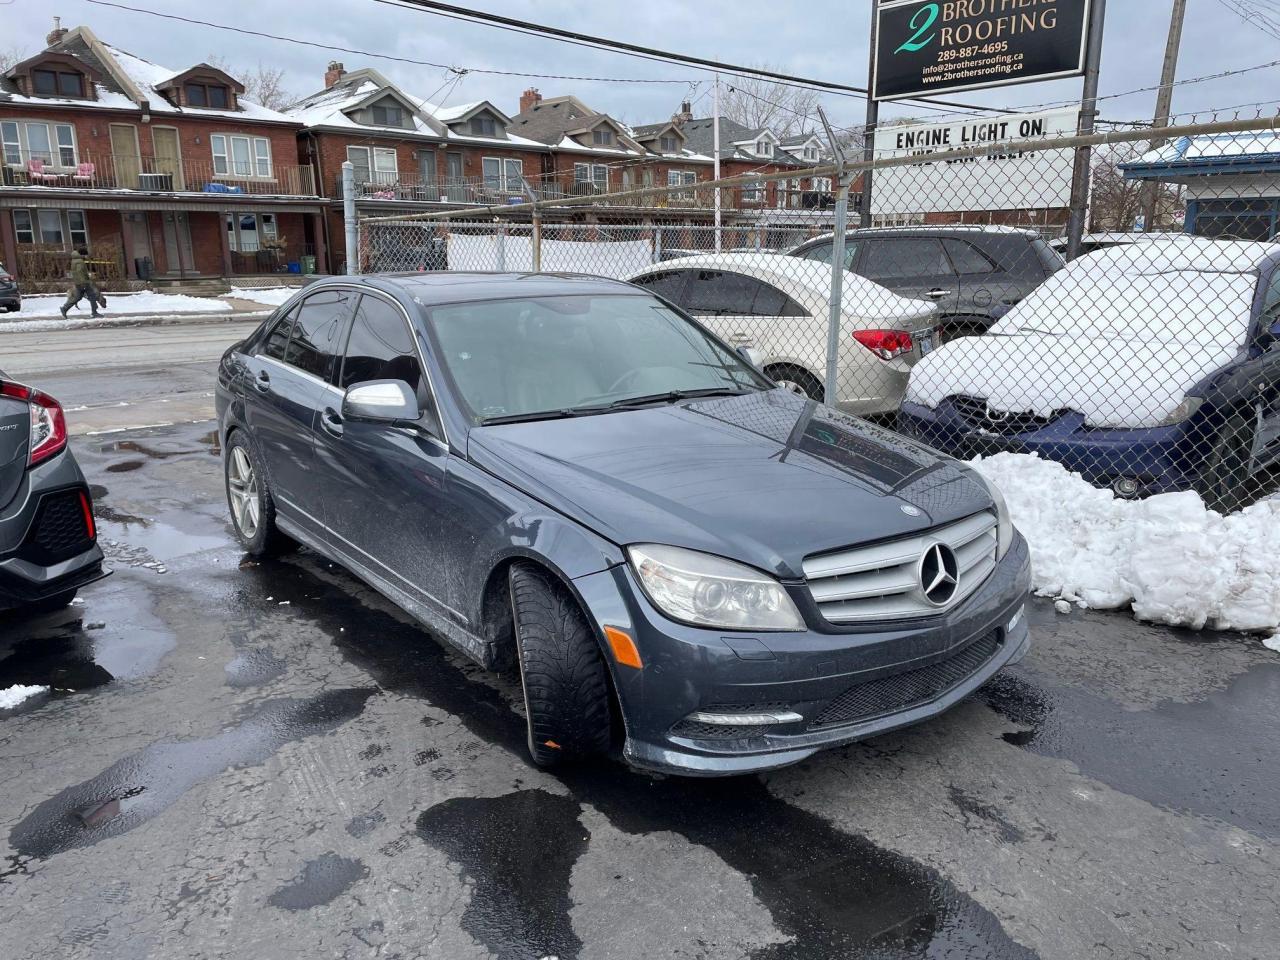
{"x":1159,"y":459}
{"x":832,"y":687}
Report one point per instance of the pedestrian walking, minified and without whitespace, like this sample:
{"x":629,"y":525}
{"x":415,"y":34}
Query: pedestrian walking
{"x":81,"y":283}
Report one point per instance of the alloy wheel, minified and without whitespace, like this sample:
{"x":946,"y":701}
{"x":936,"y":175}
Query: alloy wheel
{"x":242,"y":488}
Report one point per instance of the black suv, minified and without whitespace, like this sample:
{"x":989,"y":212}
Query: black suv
{"x":974,"y":274}
{"x":10,"y":296}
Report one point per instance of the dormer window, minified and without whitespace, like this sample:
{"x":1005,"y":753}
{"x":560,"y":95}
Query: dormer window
{"x":811,"y":152}
{"x":483,"y":127}
{"x":57,"y":83}
{"x":668,"y":144}
{"x":602,"y":137}
{"x":214,"y":96}
{"x":385,"y":115}
{"x":764,"y":148}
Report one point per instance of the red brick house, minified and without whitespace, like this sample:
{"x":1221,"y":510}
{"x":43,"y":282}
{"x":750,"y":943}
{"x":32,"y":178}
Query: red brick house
{"x":160,"y":171}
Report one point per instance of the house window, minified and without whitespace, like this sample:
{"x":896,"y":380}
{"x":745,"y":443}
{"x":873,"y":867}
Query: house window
{"x":374,"y":164}
{"x":53,"y":227}
{"x":811,"y":153}
{"x":595,"y":173}
{"x":251,"y":232}
{"x":210,"y":95}
{"x":764,"y":148}
{"x":483,"y":127}
{"x":602,"y":137}
{"x":679,"y":178}
{"x":57,"y":83}
{"x":54,"y":144}
{"x":501,"y":174}
{"x":235,"y":156}
{"x":388,"y":116}
{"x":822,"y":184}
{"x":753,"y":193}
{"x":668,"y":144}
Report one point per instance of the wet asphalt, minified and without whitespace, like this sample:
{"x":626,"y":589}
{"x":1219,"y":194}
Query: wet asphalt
{"x":244,"y":759}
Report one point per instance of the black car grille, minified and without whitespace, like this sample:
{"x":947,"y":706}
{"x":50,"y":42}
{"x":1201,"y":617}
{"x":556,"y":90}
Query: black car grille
{"x":904,"y":690}
{"x":975,"y":413}
{"x":59,"y":531}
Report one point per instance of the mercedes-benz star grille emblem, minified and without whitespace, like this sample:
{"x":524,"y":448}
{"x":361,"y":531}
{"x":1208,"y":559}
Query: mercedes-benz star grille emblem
{"x":939,"y":574}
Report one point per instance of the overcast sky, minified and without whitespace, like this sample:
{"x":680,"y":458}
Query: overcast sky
{"x":829,"y":44}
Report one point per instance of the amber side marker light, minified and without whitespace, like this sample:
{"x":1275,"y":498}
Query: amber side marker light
{"x":623,"y":647}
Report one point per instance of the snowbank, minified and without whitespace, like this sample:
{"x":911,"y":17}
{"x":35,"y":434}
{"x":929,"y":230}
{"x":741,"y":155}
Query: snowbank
{"x":271,"y":296}
{"x":12,"y":696}
{"x":144,"y":302}
{"x":1168,"y":557}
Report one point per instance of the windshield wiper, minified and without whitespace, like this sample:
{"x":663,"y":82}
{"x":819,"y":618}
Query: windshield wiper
{"x":668,"y":396}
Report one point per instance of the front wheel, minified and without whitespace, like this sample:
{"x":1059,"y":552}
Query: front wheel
{"x":566,"y":689}
{"x":1225,"y":475}
{"x":253,"y":511}
{"x":797,"y":380}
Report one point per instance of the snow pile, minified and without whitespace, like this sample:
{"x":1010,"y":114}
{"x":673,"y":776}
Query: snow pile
{"x":1172,"y":559}
{"x":145,"y":302}
{"x":1272,"y":642}
{"x":13,"y":696}
{"x":271,"y":296}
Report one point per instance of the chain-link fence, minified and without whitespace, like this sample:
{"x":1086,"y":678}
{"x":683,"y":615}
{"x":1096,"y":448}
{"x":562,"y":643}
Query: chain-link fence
{"x":1148,"y":363}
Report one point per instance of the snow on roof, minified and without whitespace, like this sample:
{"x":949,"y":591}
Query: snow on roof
{"x":1174,"y":253}
{"x":1218,"y":146}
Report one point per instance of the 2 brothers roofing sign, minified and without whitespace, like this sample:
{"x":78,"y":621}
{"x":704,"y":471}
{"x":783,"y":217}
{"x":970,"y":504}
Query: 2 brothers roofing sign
{"x":947,"y":45}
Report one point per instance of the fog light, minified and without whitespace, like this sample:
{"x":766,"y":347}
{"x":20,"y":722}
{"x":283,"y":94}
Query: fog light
{"x":1014,"y":621}
{"x":744,"y":719}
{"x":1126,"y":487}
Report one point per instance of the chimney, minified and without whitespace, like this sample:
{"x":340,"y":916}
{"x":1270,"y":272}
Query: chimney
{"x":333,"y":74}
{"x":685,"y":114}
{"x":529,"y":99}
{"x":57,"y":33}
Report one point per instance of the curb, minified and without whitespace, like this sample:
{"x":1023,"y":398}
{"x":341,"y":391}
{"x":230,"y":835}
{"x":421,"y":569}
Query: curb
{"x":58,"y":325}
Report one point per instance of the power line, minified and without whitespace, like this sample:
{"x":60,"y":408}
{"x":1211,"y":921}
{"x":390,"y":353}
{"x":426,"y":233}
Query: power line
{"x":369,"y":53}
{"x":530,"y":28}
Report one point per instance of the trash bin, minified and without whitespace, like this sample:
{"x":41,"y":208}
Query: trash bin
{"x":293,"y":266}
{"x":143,"y":267}
{"x":308,"y":263}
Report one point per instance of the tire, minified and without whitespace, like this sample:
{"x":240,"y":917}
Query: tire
{"x":796,"y":379}
{"x":564,"y":678}
{"x":253,"y":511}
{"x":1225,"y":475}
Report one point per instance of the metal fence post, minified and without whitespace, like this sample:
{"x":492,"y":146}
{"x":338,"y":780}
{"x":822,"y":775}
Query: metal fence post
{"x":351,"y":225}
{"x":657,"y":244}
{"x":836,"y":302}
{"x":535,"y":235}
{"x":502,"y":245}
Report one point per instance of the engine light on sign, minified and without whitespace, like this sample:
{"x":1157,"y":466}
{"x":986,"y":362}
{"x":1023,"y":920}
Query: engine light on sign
{"x":709,"y":591}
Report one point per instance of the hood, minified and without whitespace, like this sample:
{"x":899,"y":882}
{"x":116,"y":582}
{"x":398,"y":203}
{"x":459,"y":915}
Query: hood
{"x":1113,"y":382}
{"x":765,"y":478}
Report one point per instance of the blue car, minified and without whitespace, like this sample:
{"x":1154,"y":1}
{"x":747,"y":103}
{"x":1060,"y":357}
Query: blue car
{"x":1147,"y":368}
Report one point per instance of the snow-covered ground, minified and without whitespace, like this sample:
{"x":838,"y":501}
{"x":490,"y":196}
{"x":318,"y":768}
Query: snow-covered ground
{"x":11,"y":697}
{"x":271,"y":296}
{"x":143,"y":302}
{"x":1168,"y":557}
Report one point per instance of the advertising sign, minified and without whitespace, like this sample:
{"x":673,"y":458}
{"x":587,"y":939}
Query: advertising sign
{"x":1010,"y":180}
{"x":926,"y":47}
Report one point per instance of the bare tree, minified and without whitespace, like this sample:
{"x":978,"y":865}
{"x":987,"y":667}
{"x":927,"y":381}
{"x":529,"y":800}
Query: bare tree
{"x":756,"y":102}
{"x":11,"y":56}
{"x":1116,"y":203}
{"x":262,"y":84}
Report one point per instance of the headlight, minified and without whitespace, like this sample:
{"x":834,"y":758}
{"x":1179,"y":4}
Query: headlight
{"x":1004,"y":526}
{"x":1182,"y":411}
{"x":708,"y":591}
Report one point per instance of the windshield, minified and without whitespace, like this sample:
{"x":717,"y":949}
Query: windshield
{"x":509,"y":359}
{"x":1174,"y":306}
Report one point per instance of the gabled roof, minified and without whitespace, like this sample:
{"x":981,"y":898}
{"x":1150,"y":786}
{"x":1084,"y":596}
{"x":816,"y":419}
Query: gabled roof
{"x":202,"y":70}
{"x":557,"y":120}
{"x":700,"y":137}
{"x":465,"y":111}
{"x":124,"y":81}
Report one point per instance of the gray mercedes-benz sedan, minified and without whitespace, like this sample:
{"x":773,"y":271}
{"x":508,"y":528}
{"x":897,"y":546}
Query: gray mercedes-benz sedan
{"x":569,"y":477}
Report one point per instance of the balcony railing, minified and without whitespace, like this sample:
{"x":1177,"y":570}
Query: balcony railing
{"x":158,"y":175}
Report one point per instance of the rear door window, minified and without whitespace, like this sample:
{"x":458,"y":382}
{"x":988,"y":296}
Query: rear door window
{"x":314,"y":341}
{"x":668,"y":285}
{"x":772,"y":302}
{"x":966,"y":258}
{"x":720,"y":293}
{"x":905,"y":258}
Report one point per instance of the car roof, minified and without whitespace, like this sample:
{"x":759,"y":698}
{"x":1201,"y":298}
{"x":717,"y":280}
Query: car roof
{"x":1181,"y":252}
{"x":430,"y":288}
{"x":957,"y":229}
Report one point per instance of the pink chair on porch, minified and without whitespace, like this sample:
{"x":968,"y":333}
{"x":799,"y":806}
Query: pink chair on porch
{"x":35,"y":171}
{"x":84,"y":173}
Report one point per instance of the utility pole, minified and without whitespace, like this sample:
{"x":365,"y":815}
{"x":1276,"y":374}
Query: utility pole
{"x":715,"y":153}
{"x":1164,"y":102}
{"x":873,"y":118}
{"x":1088,"y":113}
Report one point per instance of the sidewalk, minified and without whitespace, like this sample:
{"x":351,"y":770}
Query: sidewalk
{"x":40,"y":312}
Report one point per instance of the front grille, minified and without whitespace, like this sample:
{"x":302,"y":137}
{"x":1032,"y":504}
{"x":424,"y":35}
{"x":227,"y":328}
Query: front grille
{"x":904,"y":690}
{"x":59,"y":531}
{"x":882,"y":581}
{"x":975,"y":412}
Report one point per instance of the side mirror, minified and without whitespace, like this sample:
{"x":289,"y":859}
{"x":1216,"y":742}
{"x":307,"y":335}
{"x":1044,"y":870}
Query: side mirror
{"x":753,"y":356}
{"x":380,"y":400}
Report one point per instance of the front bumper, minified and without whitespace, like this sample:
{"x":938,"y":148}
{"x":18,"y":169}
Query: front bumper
{"x":929,"y":664}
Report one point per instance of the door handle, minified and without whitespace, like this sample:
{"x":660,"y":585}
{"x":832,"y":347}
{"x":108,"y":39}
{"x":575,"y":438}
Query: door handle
{"x":331,"y":421}
{"x":937,"y":293}
{"x":263,"y":382}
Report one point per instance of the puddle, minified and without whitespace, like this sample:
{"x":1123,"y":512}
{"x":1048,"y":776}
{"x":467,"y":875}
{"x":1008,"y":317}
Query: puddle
{"x":1203,"y":757}
{"x":125,"y":466}
{"x":133,"y":790}
{"x":517,"y":851}
{"x":153,"y":541}
{"x":835,"y":894}
{"x":252,"y":668}
{"x":322,"y":880}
